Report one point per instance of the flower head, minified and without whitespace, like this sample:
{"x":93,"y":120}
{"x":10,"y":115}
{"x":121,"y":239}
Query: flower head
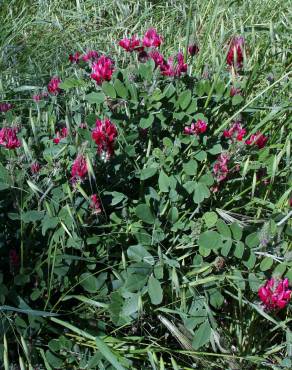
{"x":175,"y":66}
{"x":104,"y":135}
{"x":74,"y":58}
{"x":235,"y":132}
{"x":152,"y":39}
{"x":79,"y":168}
{"x":234,"y":91}
{"x":83,"y":125}
{"x":132,"y":44}
{"x":5,"y":107}
{"x":35,"y":167}
{"x":193,"y":49}
{"x":275,"y":294}
{"x":157,"y":57}
{"x":235,"y":53}
{"x":53,"y":86}
{"x":8,"y":138}
{"x":220,"y":168}
{"x":38,"y":97}
{"x":95,"y":204}
{"x":257,"y":139}
{"x":90,"y":56}
{"x":196,"y":128}
{"x":61,"y":134}
{"x":102,"y":69}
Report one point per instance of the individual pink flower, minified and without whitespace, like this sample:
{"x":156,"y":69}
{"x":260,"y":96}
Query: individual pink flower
{"x":53,"y":86}
{"x":290,"y":202}
{"x":193,"y":49}
{"x":79,"y":168}
{"x":257,"y":139}
{"x":61,"y":134}
{"x":234,"y":91}
{"x":220,"y":168}
{"x":83,"y":125}
{"x":102,"y":69}
{"x":236,"y":132}
{"x":95,"y":204}
{"x":151,"y":38}
{"x":196,"y":128}
{"x":5,"y":107}
{"x":132,"y":44}
{"x":91,"y":55}
{"x":275,"y":294}
{"x":35,"y":167}
{"x":8,"y":138}
{"x":235,"y":53}
{"x":104,"y":135}
{"x":175,"y":66}
{"x":38,"y":97}
{"x":74,"y":58}
{"x":157,"y":57}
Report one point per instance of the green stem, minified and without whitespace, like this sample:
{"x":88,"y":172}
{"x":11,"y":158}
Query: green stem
{"x":188,"y":30}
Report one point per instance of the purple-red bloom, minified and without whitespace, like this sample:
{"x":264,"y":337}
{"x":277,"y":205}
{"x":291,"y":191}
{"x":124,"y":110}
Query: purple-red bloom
{"x":35,"y":167}
{"x":90,"y":56}
{"x":234,"y":91}
{"x":151,"y":38}
{"x":157,"y":57}
{"x":275,"y":294}
{"x":235,"y":53}
{"x":132,"y":44}
{"x":74,"y":58}
{"x":5,"y":107}
{"x":102,"y":69}
{"x":235,"y":132}
{"x":79,"y":168}
{"x":8,"y":138}
{"x":193,"y":49}
{"x":104,"y":135}
{"x":61,"y":134}
{"x":38,"y":97}
{"x":196,"y":128}
{"x":95,"y":204}
{"x":53,"y":86}
{"x":175,"y":66}
{"x":221,"y":167}
{"x":257,"y":139}
{"x":83,"y":125}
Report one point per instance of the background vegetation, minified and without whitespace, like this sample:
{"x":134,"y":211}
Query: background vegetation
{"x":136,"y":287}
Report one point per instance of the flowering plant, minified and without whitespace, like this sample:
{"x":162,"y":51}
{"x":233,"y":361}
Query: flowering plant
{"x":124,"y":189}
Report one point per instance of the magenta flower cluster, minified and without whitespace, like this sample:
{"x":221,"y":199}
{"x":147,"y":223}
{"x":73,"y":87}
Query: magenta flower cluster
{"x":235,"y":54}
{"x":79,"y":168}
{"x":53,"y":86}
{"x":275,"y":294}
{"x":236,"y":132}
{"x":8,"y":138}
{"x":196,"y":128}
{"x":104,"y":135}
{"x":5,"y":107}
{"x":147,"y":49}
{"x":60,"y":135}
